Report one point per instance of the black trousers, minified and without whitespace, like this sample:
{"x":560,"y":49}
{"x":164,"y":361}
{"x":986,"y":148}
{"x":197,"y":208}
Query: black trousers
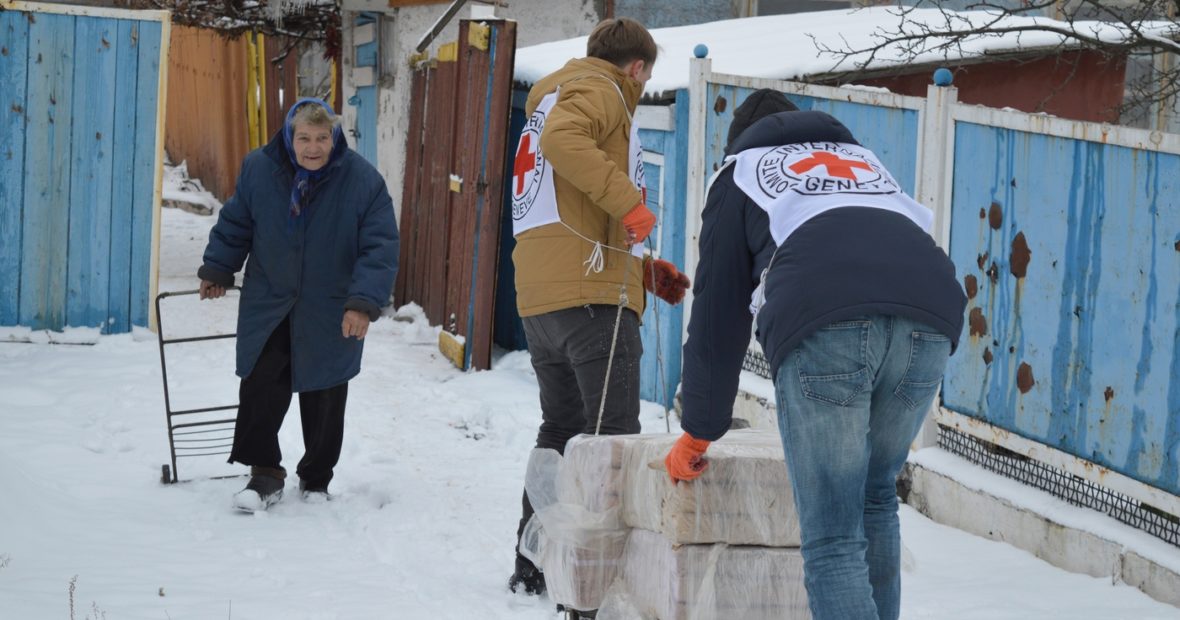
{"x":264,"y":397}
{"x":570,"y":350}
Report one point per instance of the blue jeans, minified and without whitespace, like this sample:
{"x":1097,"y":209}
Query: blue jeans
{"x":851,"y":399}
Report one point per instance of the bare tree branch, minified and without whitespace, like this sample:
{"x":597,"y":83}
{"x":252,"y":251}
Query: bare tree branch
{"x":926,"y":32}
{"x":311,"y":22}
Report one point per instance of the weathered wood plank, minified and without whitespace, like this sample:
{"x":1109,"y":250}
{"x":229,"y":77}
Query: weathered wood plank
{"x":123,"y":169}
{"x":88,"y":262}
{"x":47,"y":164}
{"x":14,"y":58}
{"x":143,"y":209}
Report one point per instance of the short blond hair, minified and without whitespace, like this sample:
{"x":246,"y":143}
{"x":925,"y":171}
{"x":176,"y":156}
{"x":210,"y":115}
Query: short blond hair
{"x":621,"y":41}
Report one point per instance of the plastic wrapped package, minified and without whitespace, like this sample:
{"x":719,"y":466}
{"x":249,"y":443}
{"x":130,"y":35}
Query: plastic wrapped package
{"x":618,"y":604}
{"x":592,"y":471}
{"x":744,"y":498}
{"x":713,"y":582}
{"x":575,"y":576}
{"x":579,"y":576}
{"x":577,"y":536}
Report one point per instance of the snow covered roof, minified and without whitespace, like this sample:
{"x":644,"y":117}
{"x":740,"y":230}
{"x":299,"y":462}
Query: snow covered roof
{"x":787,"y":46}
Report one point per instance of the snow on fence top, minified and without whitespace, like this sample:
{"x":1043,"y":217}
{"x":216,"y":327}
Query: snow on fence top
{"x":789,"y":46}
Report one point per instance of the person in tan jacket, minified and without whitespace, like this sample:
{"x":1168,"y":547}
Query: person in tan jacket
{"x":580,"y":220}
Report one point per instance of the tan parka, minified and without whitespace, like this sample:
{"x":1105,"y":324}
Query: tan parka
{"x":585,"y":139}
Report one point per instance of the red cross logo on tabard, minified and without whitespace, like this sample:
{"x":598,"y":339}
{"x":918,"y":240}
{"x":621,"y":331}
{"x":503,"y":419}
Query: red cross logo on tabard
{"x":526,"y":160}
{"x":836,"y":167}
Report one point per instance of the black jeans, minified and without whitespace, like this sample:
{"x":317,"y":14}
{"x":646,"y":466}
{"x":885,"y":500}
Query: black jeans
{"x":265,"y":396}
{"x":570,"y":350}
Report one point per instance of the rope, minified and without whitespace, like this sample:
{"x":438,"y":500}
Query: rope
{"x":595,"y":262}
{"x":614,"y":341}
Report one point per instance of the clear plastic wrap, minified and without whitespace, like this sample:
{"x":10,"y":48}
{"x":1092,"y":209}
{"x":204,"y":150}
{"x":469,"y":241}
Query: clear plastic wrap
{"x":618,"y":604}
{"x":578,"y":534}
{"x":744,"y":498}
{"x":712,"y":582}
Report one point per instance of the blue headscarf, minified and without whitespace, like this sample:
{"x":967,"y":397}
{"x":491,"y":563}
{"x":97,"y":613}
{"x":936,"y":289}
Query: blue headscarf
{"x":305,"y":179}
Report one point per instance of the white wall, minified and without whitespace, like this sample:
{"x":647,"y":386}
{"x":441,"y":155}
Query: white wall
{"x":538,"y":21}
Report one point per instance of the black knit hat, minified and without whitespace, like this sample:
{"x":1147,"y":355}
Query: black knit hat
{"x":761,"y":103}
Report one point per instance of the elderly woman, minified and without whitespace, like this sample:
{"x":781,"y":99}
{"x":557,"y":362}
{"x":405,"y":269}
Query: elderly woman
{"x":316,"y":222}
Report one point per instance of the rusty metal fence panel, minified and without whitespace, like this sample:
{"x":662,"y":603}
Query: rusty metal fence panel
{"x":1069,"y":251}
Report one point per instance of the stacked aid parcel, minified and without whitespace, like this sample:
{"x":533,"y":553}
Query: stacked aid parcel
{"x":614,"y":533}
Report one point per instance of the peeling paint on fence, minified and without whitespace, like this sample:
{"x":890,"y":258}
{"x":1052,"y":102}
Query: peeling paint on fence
{"x":1074,"y":296}
{"x":79,"y":129}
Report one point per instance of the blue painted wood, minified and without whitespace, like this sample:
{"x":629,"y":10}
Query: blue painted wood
{"x":365,"y":99}
{"x":1095,"y":321}
{"x":76,"y":204}
{"x":366,"y":55}
{"x":366,"y":122}
{"x":652,"y":195}
{"x":14,"y":56}
{"x":661,"y":335}
{"x":654,"y":141}
{"x":93,"y":116}
{"x":675,"y":210}
{"x":123,"y":169}
{"x":143,"y":212}
{"x":47,"y":162}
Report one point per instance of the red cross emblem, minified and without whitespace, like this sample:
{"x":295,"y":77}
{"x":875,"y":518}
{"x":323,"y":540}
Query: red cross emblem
{"x":526,"y":160}
{"x":836,"y":167}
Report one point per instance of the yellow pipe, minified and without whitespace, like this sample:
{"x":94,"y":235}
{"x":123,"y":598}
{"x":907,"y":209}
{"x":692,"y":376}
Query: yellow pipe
{"x":251,"y":92}
{"x":263,"y":94}
{"x":332,"y":87}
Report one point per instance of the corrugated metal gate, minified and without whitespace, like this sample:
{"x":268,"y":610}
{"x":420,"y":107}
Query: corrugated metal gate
{"x":452,"y":197}
{"x":82,"y":108}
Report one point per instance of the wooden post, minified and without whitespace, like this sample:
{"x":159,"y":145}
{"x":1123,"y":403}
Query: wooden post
{"x":699,"y":70}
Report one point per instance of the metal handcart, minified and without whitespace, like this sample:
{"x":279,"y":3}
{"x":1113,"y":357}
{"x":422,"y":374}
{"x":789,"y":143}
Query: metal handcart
{"x":203,"y":437}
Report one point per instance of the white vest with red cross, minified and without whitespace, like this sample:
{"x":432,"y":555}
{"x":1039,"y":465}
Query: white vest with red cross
{"x":534,"y":199}
{"x":796,"y":182}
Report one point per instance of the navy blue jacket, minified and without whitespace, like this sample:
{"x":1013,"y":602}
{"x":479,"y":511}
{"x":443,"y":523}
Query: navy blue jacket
{"x":340,"y":252}
{"x":844,"y":263}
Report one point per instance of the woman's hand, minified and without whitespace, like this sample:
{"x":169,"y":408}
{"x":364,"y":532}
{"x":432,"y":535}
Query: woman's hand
{"x":355,"y":323}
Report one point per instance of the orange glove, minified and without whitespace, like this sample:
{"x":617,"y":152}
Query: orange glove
{"x":639,"y":222}
{"x":684,"y":461}
{"x":663,"y":280}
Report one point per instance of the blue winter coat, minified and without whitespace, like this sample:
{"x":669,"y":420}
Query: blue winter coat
{"x":339,"y":253}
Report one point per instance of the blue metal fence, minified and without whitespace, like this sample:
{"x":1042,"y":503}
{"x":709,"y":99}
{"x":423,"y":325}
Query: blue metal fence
{"x":659,"y":372}
{"x":1070,"y":253}
{"x":79,"y":142}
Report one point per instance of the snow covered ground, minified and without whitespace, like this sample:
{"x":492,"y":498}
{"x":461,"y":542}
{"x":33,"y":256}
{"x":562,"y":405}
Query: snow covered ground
{"x":427,"y":492}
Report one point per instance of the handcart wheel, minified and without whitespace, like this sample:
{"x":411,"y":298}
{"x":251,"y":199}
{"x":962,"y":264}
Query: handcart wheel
{"x":165,"y":474}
